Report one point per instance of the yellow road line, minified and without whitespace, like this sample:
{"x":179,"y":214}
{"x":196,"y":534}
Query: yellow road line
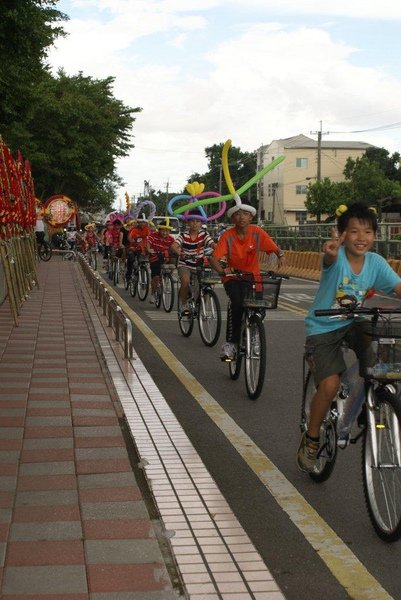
{"x":344,"y":565}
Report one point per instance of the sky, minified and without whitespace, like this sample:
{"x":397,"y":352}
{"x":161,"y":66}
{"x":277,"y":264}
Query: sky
{"x":204,"y":71}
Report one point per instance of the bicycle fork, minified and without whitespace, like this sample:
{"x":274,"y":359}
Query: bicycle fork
{"x":374,"y":428}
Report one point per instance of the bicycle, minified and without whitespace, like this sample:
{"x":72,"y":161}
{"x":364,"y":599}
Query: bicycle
{"x":373,"y":404}
{"x":44,"y":251}
{"x":261,"y":294}
{"x":139,"y":281}
{"x":164,"y":292}
{"x":204,"y":306}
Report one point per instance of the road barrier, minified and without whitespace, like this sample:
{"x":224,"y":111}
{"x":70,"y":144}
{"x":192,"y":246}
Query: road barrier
{"x":116,"y":318}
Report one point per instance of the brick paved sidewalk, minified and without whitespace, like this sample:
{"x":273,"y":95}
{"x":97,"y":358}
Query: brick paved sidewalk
{"x":73,"y":522}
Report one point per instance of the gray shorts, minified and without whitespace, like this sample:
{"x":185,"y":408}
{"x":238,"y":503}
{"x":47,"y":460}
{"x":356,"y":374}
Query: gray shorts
{"x":324,"y":353}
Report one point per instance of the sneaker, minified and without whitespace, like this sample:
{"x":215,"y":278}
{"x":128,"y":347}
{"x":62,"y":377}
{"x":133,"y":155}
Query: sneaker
{"x":151,"y":299}
{"x":185,"y":310}
{"x":307,"y":453}
{"x":228,"y":352}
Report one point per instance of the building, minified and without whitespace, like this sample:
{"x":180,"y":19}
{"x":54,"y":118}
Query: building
{"x":282,"y":192}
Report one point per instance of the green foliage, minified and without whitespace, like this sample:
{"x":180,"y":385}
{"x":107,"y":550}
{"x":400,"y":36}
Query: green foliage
{"x":324,"y":196}
{"x":77,"y":130}
{"x":368,"y":181}
{"x":27,"y":29}
{"x":72,"y":129}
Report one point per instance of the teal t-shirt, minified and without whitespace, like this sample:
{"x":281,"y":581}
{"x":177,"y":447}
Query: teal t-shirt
{"x":339,"y":285}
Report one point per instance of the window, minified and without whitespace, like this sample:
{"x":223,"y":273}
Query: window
{"x":301,"y":189}
{"x":300,"y":217}
{"x":302,"y":163}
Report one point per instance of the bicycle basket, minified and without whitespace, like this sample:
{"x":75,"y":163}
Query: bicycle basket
{"x":386,"y":346}
{"x":264,"y":293}
{"x":209,"y":276}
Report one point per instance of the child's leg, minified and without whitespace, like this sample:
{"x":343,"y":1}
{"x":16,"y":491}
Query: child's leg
{"x":321,"y":403}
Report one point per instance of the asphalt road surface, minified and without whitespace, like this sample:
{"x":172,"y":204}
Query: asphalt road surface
{"x":315,"y":538}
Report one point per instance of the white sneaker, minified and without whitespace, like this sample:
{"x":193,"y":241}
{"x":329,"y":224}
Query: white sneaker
{"x":151,"y":299}
{"x":228,"y":352}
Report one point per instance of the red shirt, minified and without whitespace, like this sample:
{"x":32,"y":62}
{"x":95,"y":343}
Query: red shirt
{"x":242,"y":254}
{"x":137,"y":238}
{"x":159,"y":244}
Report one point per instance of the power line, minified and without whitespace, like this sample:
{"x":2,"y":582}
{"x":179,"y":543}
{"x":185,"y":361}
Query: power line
{"x":380,"y":128}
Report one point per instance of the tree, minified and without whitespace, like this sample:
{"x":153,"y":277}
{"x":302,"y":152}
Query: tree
{"x":77,"y":131}
{"x":72,"y":129}
{"x":389,"y":165}
{"x":323,"y":197}
{"x":368,"y":181}
{"x":27,"y":29}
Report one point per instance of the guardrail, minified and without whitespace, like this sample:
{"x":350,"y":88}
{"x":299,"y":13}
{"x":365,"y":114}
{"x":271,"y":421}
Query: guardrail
{"x":116,"y":318}
{"x":308,"y":264}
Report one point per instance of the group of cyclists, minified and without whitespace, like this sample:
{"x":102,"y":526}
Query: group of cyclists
{"x":239,"y":246}
{"x":349,"y":270}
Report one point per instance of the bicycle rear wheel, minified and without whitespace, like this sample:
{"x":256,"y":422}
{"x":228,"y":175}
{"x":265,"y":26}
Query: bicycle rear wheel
{"x":45,"y":251}
{"x":209,"y":317}
{"x":167,"y":291}
{"x":327,"y":454}
{"x":255,"y":356}
{"x":382,"y":479}
{"x":143,"y":282}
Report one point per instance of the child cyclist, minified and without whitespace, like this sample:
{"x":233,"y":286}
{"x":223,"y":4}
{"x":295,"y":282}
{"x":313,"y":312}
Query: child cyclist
{"x":158,"y":245}
{"x":137,"y":238}
{"x":349,"y":273}
{"x":240,"y":246}
{"x":190,"y":247}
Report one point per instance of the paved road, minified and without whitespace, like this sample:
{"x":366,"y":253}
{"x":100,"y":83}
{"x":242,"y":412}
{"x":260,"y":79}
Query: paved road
{"x":316,"y":539}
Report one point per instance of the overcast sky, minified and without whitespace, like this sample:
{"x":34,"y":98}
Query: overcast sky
{"x":204,"y":71}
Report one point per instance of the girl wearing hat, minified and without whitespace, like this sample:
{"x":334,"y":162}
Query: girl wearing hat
{"x":190,"y":247}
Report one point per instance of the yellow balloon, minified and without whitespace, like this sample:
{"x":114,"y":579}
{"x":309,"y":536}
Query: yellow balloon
{"x":226,"y":170}
{"x":195,"y":188}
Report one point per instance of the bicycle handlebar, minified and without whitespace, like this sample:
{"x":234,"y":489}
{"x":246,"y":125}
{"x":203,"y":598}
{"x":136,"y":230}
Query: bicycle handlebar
{"x":351,"y":312}
{"x":250,"y":275}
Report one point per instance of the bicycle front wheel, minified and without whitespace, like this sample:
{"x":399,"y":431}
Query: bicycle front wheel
{"x":327,"y":454}
{"x":255,"y":356}
{"x":209,"y":317}
{"x":143,"y":283}
{"x":45,"y":251}
{"x":167,"y":291}
{"x":132,"y":284}
{"x":381,"y":465}
{"x":158,"y":295}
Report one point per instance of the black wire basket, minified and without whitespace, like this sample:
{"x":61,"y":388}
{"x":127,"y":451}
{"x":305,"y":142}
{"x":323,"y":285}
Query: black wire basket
{"x":263,"y":293}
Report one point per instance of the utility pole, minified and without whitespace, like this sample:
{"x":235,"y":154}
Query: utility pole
{"x":319,"y":150}
{"x":167,"y":186}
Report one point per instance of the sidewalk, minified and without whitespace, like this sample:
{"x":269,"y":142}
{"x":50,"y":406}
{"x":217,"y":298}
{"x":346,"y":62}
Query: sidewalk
{"x":73,"y":521}
{"x":78,"y":519}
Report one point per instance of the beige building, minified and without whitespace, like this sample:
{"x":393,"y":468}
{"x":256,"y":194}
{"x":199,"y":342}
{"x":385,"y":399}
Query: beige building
{"x":282,"y":192}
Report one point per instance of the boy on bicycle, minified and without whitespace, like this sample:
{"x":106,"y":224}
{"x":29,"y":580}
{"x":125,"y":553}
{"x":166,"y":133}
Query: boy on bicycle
{"x":190,"y":247}
{"x":137,"y":238}
{"x":349,"y":273}
{"x":158,"y":245}
{"x":240,"y":246}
